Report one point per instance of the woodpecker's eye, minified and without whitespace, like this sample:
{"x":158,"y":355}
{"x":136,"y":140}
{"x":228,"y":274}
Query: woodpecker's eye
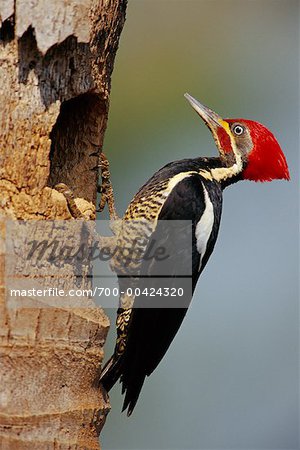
{"x":238,"y":130}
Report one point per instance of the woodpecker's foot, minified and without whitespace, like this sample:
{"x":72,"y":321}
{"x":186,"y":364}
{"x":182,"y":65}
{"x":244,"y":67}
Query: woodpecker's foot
{"x":106,"y":189}
{"x":104,"y":243}
{"x":70,"y":198}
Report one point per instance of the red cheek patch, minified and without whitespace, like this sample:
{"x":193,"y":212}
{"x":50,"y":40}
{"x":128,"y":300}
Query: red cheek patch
{"x":224,"y":140}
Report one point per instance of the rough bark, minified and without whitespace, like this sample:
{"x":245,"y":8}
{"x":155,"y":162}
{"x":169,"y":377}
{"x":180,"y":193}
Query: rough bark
{"x":56,"y":60}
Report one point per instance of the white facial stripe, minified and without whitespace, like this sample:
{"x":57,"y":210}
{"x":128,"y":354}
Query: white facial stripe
{"x":238,"y":156}
{"x":222,"y":173}
{"x":237,"y":167}
{"x":204,"y":226}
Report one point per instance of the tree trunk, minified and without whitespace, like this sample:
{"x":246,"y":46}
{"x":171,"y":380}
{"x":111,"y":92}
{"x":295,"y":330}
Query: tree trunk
{"x":56,"y":60}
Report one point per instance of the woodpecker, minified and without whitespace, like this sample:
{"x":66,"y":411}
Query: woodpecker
{"x":189,"y":189}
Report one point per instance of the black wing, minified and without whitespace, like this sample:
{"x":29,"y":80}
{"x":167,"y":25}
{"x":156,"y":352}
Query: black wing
{"x":152,"y":329}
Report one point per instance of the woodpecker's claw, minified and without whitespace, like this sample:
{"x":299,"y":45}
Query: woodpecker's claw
{"x":106,"y":189}
{"x":70,"y":198}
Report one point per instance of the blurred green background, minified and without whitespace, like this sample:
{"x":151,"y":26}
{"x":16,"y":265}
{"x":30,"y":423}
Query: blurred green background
{"x":230,"y":379}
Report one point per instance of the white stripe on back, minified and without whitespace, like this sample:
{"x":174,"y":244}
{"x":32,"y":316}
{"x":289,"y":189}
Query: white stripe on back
{"x":204,"y":226}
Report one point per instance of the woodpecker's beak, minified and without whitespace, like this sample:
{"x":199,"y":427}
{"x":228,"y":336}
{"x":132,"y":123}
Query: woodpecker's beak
{"x":212,"y":119}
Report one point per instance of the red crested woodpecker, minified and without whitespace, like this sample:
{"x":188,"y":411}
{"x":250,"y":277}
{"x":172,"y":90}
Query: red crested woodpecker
{"x":189,"y":190}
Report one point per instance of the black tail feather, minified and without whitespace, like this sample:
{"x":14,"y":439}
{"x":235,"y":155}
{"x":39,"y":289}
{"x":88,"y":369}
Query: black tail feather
{"x":111,"y":373}
{"x":132,"y":393}
{"x":132,"y":382}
